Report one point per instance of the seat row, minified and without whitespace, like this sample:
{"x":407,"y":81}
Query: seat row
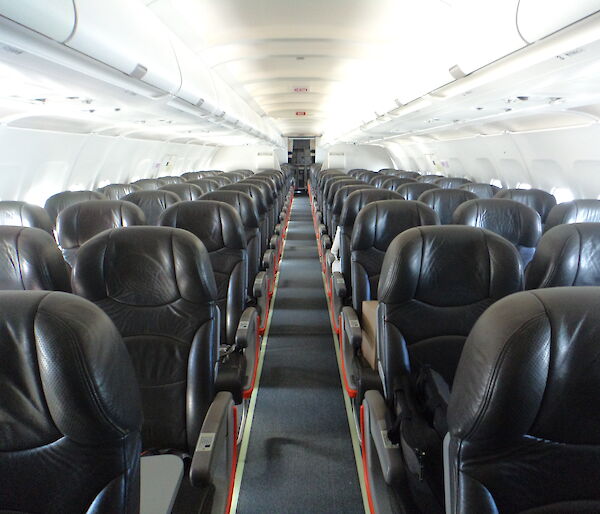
{"x":177,"y":295}
{"x":407,"y":296}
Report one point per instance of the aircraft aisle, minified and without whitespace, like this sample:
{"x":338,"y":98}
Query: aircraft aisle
{"x":300,"y":457}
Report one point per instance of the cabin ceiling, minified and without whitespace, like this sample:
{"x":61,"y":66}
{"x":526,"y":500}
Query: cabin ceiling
{"x":341,"y":62}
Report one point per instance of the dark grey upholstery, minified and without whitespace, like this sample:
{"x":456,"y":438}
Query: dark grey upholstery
{"x":152,"y":203}
{"x":576,"y":211}
{"x":23,"y":214}
{"x":540,"y":201}
{"x":445,"y":201}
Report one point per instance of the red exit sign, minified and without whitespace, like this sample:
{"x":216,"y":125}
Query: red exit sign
{"x":300,"y":90}
{"x":300,"y":113}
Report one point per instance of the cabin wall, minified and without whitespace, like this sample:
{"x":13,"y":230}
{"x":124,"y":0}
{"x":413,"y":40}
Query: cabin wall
{"x":349,"y":156}
{"x":36,"y":164}
{"x":252,"y":157}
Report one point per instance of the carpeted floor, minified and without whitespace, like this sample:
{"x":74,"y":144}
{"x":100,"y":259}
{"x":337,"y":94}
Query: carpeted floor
{"x":300,"y":457}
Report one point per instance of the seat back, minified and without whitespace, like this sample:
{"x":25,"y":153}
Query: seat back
{"x":169,"y":179}
{"x":576,"y":211}
{"x":118,"y":191}
{"x":393,"y":183}
{"x":451,"y":182}
{"x":482,"y":190}
{"x":435,"y":283}
{"x":21,"y":214}
{"x":60,"y":201}
{"x":30,"y":259}
{"x":245,"y":207}
{"x":333,"y":187}
{"x":147,"y":184}
{"x":220,"y":228}
{"x":567,"y":255}
{"x":70,"y":408}
{"x":157,"y":286}
{"x":412,"y":190}
{"x":185,"y":191}
{"x":354,"y":203}
{"x":377,"y":224}
{"x":429,"y":179}
{"x":406,"y":174}
{"x":152,"y":203}
{"x":512,"y":220}
{"x":523,"y":414}
{"x":339,"y":201}
{"x":445,"y":201}
{"x":80,"y":222}
{"x":206,"y":184}
{"x":540,"y":201}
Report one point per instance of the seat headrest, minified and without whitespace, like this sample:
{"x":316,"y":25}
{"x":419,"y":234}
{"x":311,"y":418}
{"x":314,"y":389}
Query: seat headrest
{"x":169,"y":179}
{"x":266,"y":185}
{"x":446,"y":266}
{"x":429,"y":179}
{"x":82,"y":221}
{"x":378,"y":223}
{"x":407,"y":174}
{"x":147,"y":184}
{"x":445,"y":201}
{"x":567,"y":255}
{"x":343,"y":192}
{"x":185,"y":191}
{"x":358,"y":199}
{"x":153,"y":203}
{"x":482,"y":190}
{"x":23,"y":214}
{"x":512,"y":220}
{"x":216,"y":224}
{"x":60,"y":201}
{"x":412,"y":190}
{"x":393,"y":183}
{"x":206,"y":184}
{"x":30,"y":259}
{"x":241,"y":202}
{"x":65,"y":372}
{"x":191,"y":175}
{"x":577,"y":211}
{"x":529,"y":368}
{"x":118,"y":191}
{"x":255,"y":192}
{"x":145,"y":266}
{"x":451,"y":182}
{"x":540,"y":201}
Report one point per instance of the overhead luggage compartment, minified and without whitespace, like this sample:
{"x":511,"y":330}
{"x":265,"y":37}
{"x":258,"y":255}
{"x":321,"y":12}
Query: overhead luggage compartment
{"x":125,"y":35}
{"x":52,"y":18}
{"x":539,"y":18}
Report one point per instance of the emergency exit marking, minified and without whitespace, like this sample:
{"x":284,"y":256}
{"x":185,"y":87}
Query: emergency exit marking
{"x":300,"y":90}
{"x":300,"y":113}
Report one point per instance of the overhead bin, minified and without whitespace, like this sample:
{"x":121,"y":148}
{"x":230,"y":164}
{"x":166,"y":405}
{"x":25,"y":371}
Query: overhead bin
{"x":125,"y":35}
{"x":539,"y":18}
{"x":52,"y":18}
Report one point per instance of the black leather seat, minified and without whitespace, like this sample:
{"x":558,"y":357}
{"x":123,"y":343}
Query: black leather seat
{"x":567,"y":255}
{"x":339,"y":201}
{"x":80,"y":222}
{"x":393,"y":183}
{"x":158,"y":287}
{"x":576,"y":211}
{"x":185,"y":191}
{"x":482,"y":190}
{"x":340,"y":282}
{"x":220,"y":228}
{"x":512,"y":220}
{"x":30,"y":259}
{"x":60,"y":201}
{"x":377,"y":224}
{"x":206,"y":184}
{"x":540,"y":201}
{"x":451,"y":182}
{"x":23,"y":214}
{"x":152,"y":203}
{"x":221,"y":179}
{"x":412,"y":190}
{"x":435,"y":283}
{"x":169,"y":179}
{"x":245,"y":173}
{"x":147,"y":184}
{"x":354,"y":172}
{"x":406,"y":174}
{"x":329,"y":199}
{"x":445,"y":201}
{"x":70,"y":408}
{"x":429,"y":179}
{"x":118,"y":191}
{"x":191,"y":175}
{"x":523,"y":414}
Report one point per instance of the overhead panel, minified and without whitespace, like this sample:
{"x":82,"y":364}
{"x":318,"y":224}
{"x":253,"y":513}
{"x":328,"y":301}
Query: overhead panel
{"x":52,"y":18}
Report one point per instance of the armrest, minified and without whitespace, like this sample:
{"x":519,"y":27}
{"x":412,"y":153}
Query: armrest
{"x":277,"y":229}
{"x":247,"y":337}
{"x":376,"y":430}
{"x":322,"y":229}
{"x":268,"y":259}
{"x":274,"y":242}
{"x":352,"y":329}
{"x":215,"y":445}
{"x":259,"y":288}
{"x":325,"y":242}
{"x":339,"y":284}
